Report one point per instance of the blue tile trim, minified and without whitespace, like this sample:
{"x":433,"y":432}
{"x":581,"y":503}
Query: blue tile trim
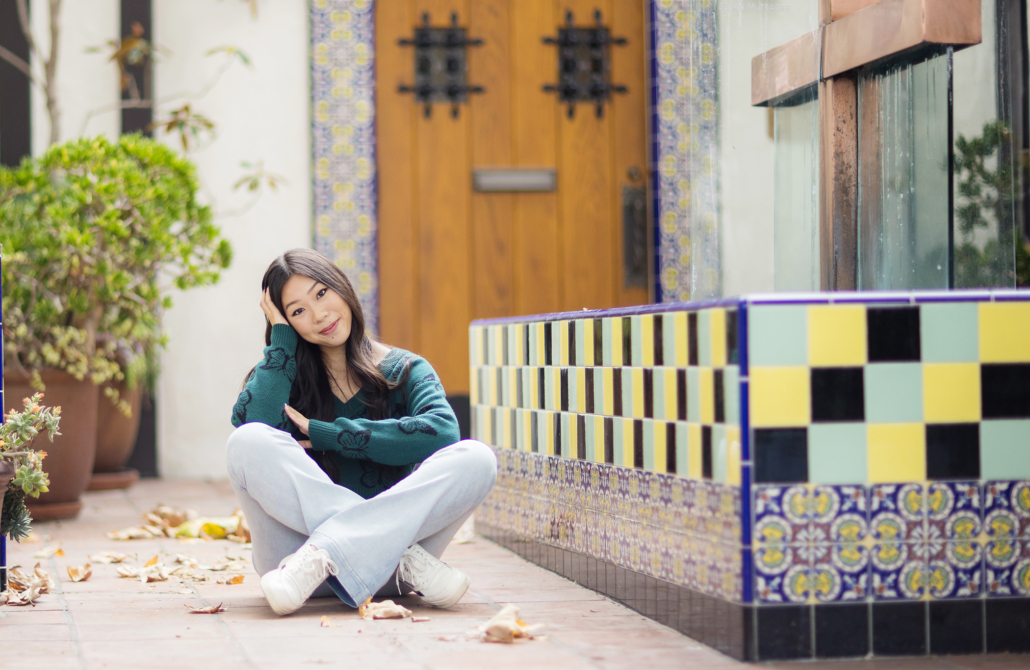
{"x":747,"y":575}
{"x":745,"y":422}
{"x":655,"y":181}
{"x":742,"y":338}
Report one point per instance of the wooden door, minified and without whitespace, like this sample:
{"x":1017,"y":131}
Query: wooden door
{"x":448,"y":255}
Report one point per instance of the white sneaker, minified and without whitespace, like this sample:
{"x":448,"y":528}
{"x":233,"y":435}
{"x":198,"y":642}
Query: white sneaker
{"x":439,"y":584}
{"x":287,"y":587}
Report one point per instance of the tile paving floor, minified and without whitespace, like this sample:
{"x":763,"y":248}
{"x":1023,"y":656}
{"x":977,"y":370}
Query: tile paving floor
{"x":110,"y":622}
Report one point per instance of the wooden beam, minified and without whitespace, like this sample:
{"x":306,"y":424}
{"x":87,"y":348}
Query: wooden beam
{"x":838,"y":176}
{"x":787,"y":70}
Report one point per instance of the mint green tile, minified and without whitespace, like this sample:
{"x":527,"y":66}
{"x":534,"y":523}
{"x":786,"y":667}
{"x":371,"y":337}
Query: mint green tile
{"x":649,"y":426}
{"x":512,"y":344}
{"x":731,"y":394}
{"x":704,"y":337}
{"x":669,"y":339}
{"x":564,"y":450}
{"x":532,"y":343}
{"x":777,"y":335}
{"x":617,"y":431}
{"x":627,"y":390}
{"x":608,"y":327}
{"x":551,"y":402}
{"x":894,"y":392}
{"x":682,"y":449}
{"x":693,"y":395}
{"x":1005,"y":449}
{"x":591,"y":438}
{"x":638,"y":341}
{"x":837,"y":453}
{"x":598,"y":392}
{"x":719,"y":453}
{"x":949,"y":332}
{"x":573,"y":390}
{"x":658,"y":381}
{"x":520,"y":429}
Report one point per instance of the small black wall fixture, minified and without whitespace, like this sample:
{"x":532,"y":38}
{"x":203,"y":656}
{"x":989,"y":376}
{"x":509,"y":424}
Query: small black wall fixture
{"x":441,"y":65}
{"x":584,"y":64}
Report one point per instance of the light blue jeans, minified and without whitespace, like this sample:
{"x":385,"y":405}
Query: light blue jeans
{"x":288,"y":500}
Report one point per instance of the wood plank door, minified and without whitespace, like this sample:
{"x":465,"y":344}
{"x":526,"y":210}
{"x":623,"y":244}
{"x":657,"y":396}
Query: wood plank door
{"x":447,"y":254}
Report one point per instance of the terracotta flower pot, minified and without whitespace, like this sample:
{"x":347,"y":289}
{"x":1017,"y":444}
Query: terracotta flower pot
{"x":116,"y":436}
{"x":69,"y":461}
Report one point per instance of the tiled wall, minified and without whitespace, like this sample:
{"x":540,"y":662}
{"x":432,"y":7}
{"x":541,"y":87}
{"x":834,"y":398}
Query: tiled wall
{"x":834,"y":477}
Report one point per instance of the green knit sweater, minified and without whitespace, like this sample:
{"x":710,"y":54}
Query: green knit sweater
{"x":370,"y":455}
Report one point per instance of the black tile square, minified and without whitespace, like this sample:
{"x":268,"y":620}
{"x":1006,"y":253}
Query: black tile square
{"x":841,"y":631}
{"x":899,"y":629}
{"x":598,"y":342}
{"x":784,"y":632}
{"x":572,"y":343}
{"x":670,"y":448}
{"x":692,"y":338}
{"x":525,"y":344}
{"x":504,"y":345}
{"x":548,"y":338}
{"x":1008,"y":625}
{"x":732,"y":341}
{"x":638,"y":443}
{"x":609,"y":440}
{"x":617,"y":392}
{"x":706,"y":452}
{"x":1005,"y":390}
{"x":518,"y":388}
{"x":557,"y":435}
{"x":648,"y":393}
{"x":893,"y":334}
{"x":500,"y":386}
{"x":838,"y":394}
{"x":581,"y":437}
{"x":953,"y":451}
{"x":720,"y":398}
{"x":534,"y":438}
{"x":780,"y":455}
{"x":659,"y":344}
{"x":681,"y":395}
{"x":956,"y":626}
{"x":541,"y":388}
{"x":588,"y":391}
{"x":627,"y":341}
{"x":565,"y":389}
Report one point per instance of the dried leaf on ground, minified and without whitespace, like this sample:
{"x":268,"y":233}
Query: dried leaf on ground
{"x":135,"y":533}
{"x":506,"y":627}
{"x":213,"y":609}
{"x":327,"y":623}
{"x":182,"y":559}
{"x":419,"y":619}
{"x":231,"y":579}
{"x":80,"y":574}
{"x":44,"y":577}
{"x":151,"y":562}
{"x":387,"y":609}
{"x":27,"y":597}
{"x":108,"y":557}
{"x":24,"y":588}
{"x":47,"y":552}
{"x":156,"y":572}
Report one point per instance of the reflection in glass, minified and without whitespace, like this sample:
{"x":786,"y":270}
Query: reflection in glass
{"x":904,"y":181}
{"x":796,"y":195}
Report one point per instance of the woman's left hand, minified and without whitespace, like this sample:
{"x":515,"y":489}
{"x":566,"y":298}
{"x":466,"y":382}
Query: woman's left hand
{"x":297,"y":418}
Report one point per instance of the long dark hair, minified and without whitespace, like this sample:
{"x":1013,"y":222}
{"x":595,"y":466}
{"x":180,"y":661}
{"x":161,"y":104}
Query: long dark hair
{"x":312,"y":394}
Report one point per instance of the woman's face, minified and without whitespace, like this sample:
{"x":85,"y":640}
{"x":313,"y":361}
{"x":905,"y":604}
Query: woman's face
{"x":316,"y":312}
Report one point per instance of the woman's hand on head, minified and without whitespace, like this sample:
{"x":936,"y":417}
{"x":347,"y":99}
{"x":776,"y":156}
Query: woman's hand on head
{"x":297,"y":418}
{"x":272,"y":312}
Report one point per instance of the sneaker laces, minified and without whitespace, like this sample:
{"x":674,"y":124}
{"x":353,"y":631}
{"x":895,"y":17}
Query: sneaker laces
{"x":414,"y":565}
{"x":317,"y":561}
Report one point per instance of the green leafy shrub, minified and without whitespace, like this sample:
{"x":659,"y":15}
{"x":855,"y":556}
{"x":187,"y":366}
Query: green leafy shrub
{"x":94,"y":234}
{"x":17,"y":435}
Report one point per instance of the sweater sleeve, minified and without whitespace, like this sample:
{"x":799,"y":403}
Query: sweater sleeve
{"x":429,"y":426}
{"x":268,"y":389}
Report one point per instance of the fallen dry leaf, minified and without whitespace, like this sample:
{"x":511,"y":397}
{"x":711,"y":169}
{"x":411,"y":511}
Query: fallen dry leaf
{"x":80,"y":574}
{"x":506,"y":627}
{"x":387,"y":609}
{"x":327,"y":623}
{"x":231,"y":579}
{"x":108,"y":557}
{"x":151,"y":562}
{"x":419,"y":619}
{"x":135,"y":533}
{"x":44,"y":577}
{"x":213,"y":609}
{"x":182,"y":559}
{"x":152,"y":572}
{"x":47,"y":552}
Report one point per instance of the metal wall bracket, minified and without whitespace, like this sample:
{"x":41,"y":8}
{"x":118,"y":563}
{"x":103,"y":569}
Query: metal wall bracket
{"x":584,"y":64}
{"x":441,"y":65}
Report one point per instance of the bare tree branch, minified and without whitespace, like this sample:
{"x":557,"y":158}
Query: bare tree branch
{"x":51,"y":71}
{"x":21,"y":65}
{"x":26,"y":28}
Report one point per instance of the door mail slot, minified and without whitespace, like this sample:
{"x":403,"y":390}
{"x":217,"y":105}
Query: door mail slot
{"x":513,"y":179}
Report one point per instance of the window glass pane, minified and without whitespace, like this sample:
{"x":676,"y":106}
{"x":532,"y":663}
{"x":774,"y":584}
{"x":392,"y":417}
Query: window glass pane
{"x":796,"y":196}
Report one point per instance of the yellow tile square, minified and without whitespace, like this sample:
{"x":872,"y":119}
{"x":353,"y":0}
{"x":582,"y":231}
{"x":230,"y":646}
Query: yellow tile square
{"x":694,"y":451}
{"x":707,"y":379}
{"x":627,"y":442}
{"x":513,"y":399}
{"x":606,"y":387}
{"x":836,"y":335}
{"x":1004,"y":332}
{"x":563,"y":343}
{"x":733,"y":455}
{"x":658,"y":428}
{"x":581,"y":390}
{"x":613,"y":334}
{"x":951,"y":392}
{"x":717,"y":321}
{"x":598,"y":439}
{"x":474,"y":384}
{"x":780,"y":396}
{"x":670,"y":392}
{"x":896,"y":452}
{"x":587,"y":326}
{"x":647,"y":340}
{"x":679,"y":326}
{"x":637,"y":374}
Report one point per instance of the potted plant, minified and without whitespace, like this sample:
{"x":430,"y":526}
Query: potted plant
{"x":95,"y":233}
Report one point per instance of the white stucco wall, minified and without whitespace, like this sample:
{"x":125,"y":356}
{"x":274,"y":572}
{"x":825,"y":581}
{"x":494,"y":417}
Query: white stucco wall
{"x":86,"y":81}
{"x":216,"y":333}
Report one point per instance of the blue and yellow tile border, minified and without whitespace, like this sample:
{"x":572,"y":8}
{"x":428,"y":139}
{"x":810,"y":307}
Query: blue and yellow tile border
{"x":872,"y":451}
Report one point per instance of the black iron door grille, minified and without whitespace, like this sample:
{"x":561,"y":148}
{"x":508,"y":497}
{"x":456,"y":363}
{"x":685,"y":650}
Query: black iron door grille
{"x":584,"y":64}
{"x":441,"y":65}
